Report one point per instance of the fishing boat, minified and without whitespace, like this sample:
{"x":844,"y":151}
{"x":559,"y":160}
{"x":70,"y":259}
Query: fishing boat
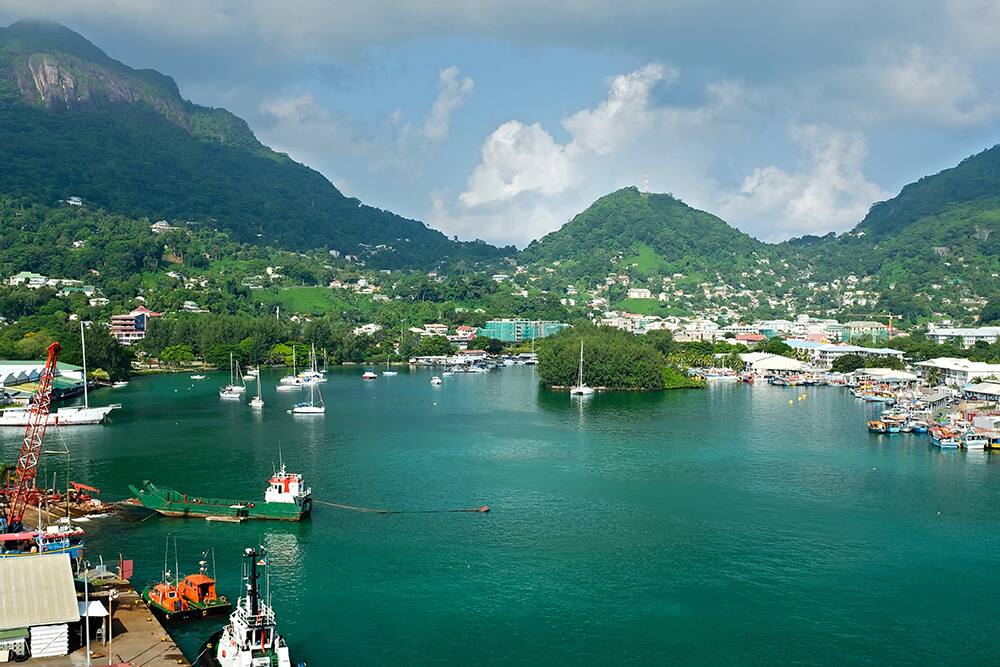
{"x":973,"y":440}
{"x":310,"y":407}
{"x":257,"y":402}
{"x":943,"y":437}
{"x":877,"y":426}
{"x":62,"y":538}
{"x":232,"y":391}
{"x":893,"y":424}
{"x":436,"y":380}
{"x":581,"y":388}
{"x":251,"y":638}
{"x":119,"y":384}
{"x":198,"y":377}
{"x":776,"y":381}
{"x":286,"y":498}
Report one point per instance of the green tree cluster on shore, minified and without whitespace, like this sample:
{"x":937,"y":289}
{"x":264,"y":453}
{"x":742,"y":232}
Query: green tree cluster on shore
{"x":614,"y":359}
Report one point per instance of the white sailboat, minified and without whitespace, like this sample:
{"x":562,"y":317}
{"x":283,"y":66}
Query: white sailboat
{"x":257,"y":402}
{"x":231,"y":391}
{"x":387,"y":371}
{"x":312,"y":374}
{"x":293,"y":381}
{"x":581,"y":388}
{"x":310,"y":407}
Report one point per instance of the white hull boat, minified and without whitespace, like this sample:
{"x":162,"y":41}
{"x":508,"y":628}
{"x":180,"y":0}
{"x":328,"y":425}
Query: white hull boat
{"x":581,"y":388}
{"x":72,"y":415}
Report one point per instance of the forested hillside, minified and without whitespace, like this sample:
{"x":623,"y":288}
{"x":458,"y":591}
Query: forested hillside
{"x":74,"y":122}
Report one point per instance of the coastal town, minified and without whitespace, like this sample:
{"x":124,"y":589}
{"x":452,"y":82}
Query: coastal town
{"x":452,"y":333}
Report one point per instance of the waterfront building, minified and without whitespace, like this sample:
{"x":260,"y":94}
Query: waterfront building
{"x":763,"y":363}
{"x":964,"y":336}
{"x":39,"y":604}
{"x":19,"y":379}
{"x":887,"y":376}
{"x":954,"y":371}
{"x":517,"y":331}
{"x":131,"y":327}
{"x":983,"y":391}
{"x":865,"y":332}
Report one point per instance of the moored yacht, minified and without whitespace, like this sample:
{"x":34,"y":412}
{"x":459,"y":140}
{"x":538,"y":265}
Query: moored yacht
{"x":257,"y":402}
{"x":581,"y":388}
{"x":310,"y":407}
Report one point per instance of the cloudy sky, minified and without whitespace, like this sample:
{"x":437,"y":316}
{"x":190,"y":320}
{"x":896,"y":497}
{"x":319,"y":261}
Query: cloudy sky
{"x":501,"y":120}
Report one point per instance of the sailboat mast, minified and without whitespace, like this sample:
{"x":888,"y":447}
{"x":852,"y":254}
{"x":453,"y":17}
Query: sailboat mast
{"x":580,"y":378}
{"x":83,"y":348}
{"x":231,"y":381}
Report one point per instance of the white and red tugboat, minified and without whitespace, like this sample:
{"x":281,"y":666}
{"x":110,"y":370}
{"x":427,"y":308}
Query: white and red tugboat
{"x":251,"y":638}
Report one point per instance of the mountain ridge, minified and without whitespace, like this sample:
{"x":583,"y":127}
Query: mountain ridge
{"x":76,"y":122}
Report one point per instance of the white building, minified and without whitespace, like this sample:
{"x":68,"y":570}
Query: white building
{"x":764,"y":363}
{"x":639,"y":293}
{"x":964,"y":336}
{"x":955,"y":371}
{"x":367,"y":329}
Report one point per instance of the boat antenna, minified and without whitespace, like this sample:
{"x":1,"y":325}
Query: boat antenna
{"x":177,"y":565}
{"x":166,"y":552}
{"x":213,"y":563}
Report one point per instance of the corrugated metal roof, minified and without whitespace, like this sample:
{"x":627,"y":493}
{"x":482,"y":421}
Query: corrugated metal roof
{"x":36,"y":590}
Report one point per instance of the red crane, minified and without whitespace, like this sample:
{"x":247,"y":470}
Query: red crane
{"x":31,"y":448}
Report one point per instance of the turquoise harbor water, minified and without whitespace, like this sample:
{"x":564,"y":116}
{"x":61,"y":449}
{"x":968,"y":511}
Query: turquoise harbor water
{"x":714,"y":526}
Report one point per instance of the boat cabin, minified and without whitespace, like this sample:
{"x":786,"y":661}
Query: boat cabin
{"x":285,"y":487}
{"x":165,"y":596}
{"x":197,"y":588}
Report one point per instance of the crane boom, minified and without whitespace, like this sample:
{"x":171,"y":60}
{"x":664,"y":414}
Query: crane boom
{"x":31,"y":446}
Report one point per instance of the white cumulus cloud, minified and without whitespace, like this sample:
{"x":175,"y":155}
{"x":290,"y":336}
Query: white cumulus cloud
{"x":830,"y":192}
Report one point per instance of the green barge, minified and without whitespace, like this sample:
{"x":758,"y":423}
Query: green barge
{"x":285,"y":499}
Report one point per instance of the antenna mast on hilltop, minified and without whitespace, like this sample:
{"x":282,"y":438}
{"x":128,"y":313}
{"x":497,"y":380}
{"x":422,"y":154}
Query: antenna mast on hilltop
{"x":645,"y":184}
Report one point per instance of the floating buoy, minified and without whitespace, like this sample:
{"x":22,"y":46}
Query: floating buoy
{"x":791,"y":402}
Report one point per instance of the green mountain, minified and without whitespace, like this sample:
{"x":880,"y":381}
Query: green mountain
{"x":935,"y":244}
{"x":974,"y":183}
{"x":650,"y":233}
{"x":75,"y":122}
{"x":932,"y":250}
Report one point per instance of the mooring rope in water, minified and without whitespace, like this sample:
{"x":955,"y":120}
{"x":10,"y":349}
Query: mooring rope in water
{"x":373,"y":510}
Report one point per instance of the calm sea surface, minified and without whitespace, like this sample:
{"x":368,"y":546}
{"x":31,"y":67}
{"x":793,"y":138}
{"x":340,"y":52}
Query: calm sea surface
{"x":699,"y":527}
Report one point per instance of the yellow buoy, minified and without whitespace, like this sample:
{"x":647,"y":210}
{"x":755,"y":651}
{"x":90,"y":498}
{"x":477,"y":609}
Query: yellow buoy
{"x":791,"y":402}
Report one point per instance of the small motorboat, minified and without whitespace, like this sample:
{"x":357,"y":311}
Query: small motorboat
{"x":198,"y":377}
{"x":369,"y":375}
{"x":119,"y":384}
{"x":436,"y":380}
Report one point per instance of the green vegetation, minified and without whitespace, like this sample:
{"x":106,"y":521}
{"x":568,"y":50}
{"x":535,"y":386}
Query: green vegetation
{"x":614,"y":359}
{"x":645,"y":260}
{"x":126,"y":141}
{"x":656,"y":231}
{"x":849,"y":363}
